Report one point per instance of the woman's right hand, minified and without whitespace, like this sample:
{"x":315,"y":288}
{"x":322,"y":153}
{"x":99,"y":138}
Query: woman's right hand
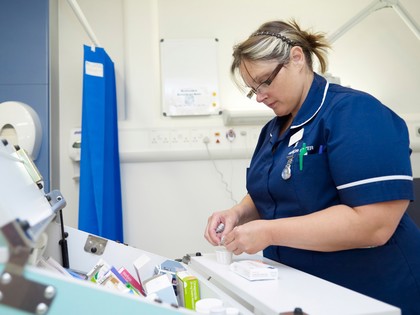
{"x":241,"y":213}
{"x":228,"y":218}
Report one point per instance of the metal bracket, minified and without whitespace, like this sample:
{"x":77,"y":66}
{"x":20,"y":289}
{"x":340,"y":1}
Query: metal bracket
{"x":375,"y":6}
{"x":95,"y":245}
{"x":15,"y":290}
{"x":24,"y":294}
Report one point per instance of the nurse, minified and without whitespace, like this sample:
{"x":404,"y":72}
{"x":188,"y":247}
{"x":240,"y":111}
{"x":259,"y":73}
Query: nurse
{"x":330,"y":179}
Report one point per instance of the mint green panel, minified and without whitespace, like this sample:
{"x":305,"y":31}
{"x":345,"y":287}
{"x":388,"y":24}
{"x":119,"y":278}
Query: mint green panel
{"x":76,"y":297}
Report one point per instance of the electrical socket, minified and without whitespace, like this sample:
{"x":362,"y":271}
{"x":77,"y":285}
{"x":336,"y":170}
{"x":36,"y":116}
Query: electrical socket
{"x":159,"y":137}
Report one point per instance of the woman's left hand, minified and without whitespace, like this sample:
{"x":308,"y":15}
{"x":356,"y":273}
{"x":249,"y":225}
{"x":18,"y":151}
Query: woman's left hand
{"x":249,"y":238}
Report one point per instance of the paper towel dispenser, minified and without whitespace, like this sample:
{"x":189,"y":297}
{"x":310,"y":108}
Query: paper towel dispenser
{"x":20,"y":125}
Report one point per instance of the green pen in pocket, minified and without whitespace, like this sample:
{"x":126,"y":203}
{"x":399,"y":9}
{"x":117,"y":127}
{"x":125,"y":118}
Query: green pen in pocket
{"x":302,"y":152}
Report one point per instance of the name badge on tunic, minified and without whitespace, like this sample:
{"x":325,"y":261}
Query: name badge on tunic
{"x":296,"y":137}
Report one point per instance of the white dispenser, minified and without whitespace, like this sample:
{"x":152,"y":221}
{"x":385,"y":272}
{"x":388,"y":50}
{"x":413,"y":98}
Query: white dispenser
{"x":20,"y":125}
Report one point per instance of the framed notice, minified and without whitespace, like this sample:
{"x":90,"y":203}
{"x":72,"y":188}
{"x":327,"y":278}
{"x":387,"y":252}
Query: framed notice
{"x":189,"y":77}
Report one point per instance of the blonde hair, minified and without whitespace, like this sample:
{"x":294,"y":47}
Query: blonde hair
{"x":274,"y":40}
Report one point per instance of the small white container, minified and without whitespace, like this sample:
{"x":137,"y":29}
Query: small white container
{"x":223,"y":256}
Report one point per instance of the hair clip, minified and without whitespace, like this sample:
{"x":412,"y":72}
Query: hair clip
{"x":278,"y":35}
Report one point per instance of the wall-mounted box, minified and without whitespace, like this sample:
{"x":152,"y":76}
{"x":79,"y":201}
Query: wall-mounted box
{"x":240,"y":117}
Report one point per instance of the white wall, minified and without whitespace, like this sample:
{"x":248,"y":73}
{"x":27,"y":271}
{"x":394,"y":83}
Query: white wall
{"x":166,"y":204}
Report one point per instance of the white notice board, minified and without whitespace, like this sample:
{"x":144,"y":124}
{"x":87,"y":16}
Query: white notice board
{"x":189,"y":77}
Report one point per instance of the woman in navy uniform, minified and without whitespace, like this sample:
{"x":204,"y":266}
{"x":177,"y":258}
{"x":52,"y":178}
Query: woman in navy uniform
{"x":330,"y":179}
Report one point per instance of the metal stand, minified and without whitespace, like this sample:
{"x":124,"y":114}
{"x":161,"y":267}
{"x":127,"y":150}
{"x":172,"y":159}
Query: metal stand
{"x":25,"y":213}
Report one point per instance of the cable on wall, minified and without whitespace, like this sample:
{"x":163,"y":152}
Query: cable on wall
{"x":206,"y":141}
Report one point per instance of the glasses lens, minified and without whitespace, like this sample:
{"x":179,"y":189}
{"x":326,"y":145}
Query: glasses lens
{"x":262,"y":87}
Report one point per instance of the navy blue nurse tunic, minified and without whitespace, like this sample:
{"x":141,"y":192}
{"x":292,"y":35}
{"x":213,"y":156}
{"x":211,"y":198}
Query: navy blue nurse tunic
{"x":343,"y":147}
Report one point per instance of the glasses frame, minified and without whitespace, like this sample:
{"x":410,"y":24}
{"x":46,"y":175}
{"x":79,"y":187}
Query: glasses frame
{"x":266,"y":83}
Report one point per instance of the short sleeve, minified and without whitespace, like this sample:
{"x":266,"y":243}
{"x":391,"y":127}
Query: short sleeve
{"x":368,"y":151}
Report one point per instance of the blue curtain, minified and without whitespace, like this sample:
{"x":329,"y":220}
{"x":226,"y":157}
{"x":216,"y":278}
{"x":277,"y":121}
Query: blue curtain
{"x":100,"y":206}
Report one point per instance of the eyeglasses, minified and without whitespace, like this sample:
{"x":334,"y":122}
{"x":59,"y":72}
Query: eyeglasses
{"x":264,"y":85}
